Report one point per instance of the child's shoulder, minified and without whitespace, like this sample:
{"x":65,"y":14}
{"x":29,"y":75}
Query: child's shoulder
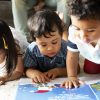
{"x":64,"y":43}
{"x":32,"y":46}
{"x":63,"y":46}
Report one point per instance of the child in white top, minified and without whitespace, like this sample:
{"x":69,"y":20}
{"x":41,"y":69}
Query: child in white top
{"x":11,"y":64}
{"x":84,"y":38}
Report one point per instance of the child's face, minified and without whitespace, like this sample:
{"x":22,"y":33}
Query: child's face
{"x":88,"y":30}
{"x":49,"y":46}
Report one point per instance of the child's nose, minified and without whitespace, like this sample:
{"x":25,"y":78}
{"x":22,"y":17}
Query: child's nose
{"x":50,"y":48}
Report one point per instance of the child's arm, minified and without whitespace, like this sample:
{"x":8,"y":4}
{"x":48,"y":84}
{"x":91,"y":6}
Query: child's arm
{"x":17,"y":73}
{"x":56,"y":72}
{"x":72,"y":64}
{"x":36,"y":75}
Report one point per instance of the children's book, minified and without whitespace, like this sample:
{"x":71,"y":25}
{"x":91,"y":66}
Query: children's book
{"x":32,"y":91}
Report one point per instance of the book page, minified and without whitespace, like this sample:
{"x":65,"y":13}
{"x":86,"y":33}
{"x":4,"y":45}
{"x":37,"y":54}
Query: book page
{"x":52,"y":91}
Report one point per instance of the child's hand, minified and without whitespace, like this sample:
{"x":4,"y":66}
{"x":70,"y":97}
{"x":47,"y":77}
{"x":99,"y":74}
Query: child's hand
{"x":2,"y":80}
{"x":72,"y":82}
{"x":39,"y":77}
{"x":53,"y":73}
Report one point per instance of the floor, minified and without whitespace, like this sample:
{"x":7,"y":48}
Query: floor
{"x":6,"y":12}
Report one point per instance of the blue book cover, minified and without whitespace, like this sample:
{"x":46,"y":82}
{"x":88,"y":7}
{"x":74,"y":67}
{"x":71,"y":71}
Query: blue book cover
{"x":55,"y":92}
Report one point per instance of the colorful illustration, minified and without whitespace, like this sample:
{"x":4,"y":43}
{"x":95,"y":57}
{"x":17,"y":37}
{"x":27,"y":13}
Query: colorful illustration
{"x":42,"y":88}
{"x":96,"y":89}
{"x":96,"y":86}
{"x":55,"y":92}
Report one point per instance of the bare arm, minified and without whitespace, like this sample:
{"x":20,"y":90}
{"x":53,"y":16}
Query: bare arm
{"x":72,"y":66}
{"x":17,"y":73}
{"x":72,"y":63}
{"x":62,"y":72}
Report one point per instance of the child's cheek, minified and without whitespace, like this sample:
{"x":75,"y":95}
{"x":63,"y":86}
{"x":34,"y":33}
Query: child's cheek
{"x":77,"y":35}
{"x":43,"y":51}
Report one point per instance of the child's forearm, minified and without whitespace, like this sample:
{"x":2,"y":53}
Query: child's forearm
{"x":61,"y":71}
{"x":15,"y":75}
{"x":72,"y":63}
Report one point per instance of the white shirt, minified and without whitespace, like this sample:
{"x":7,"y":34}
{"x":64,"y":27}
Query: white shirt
{"x":3,"y":71}
{"x":86,"y":49}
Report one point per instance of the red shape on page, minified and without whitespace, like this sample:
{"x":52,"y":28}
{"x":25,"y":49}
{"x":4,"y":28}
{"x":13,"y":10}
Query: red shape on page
{"x":41,"y":91}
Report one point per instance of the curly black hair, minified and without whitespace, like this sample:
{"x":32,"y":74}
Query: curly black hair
{"x":84,"y":9}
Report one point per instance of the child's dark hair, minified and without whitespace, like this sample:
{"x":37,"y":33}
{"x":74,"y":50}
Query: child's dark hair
{"x":84,"y":9}
{"x":8,"y":44}
{"x":43,"y":23}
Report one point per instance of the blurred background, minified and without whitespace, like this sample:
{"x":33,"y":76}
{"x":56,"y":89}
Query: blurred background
{"x":6,"y":11}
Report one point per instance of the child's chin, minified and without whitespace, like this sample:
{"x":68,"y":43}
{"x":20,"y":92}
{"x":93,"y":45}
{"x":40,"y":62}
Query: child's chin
{"x":50,"y":55}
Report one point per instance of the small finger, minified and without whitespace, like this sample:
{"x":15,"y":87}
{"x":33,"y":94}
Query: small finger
{"x":63,"y":84}
{"x":53,"y":77}
{"x":67,"y":85}
{"x":35,"y":80}
{"x":76,"y":84}
{"x":46,"y":74}
{"x":50,"y":75}
{"x":70,"y":84}
{"x":47,"y":79}
{"x":43,"y":79}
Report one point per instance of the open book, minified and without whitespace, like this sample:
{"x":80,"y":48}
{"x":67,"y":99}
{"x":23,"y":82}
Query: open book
{"x":30,"y":91}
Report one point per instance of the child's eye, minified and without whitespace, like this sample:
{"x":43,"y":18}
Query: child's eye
{"x":91,"y":30}
{"x":77,"y":29}
{"x":54,"y":42}
{"x":43,"y":45}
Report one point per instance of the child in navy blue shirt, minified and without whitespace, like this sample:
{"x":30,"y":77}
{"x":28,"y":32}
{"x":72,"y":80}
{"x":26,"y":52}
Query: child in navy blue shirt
{"x":45,"y":58}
